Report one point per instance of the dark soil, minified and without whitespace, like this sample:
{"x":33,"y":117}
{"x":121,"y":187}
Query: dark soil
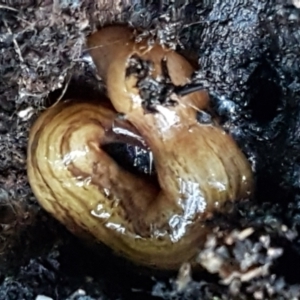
{"x":248,"y":53}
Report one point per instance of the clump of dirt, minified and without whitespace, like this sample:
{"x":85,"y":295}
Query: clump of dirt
{"x":248,"y":56}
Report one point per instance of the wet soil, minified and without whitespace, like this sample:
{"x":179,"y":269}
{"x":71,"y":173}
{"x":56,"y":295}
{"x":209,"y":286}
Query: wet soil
{"x":248,"y":59}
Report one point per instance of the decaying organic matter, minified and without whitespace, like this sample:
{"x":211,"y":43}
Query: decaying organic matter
{"x":249,"y":57}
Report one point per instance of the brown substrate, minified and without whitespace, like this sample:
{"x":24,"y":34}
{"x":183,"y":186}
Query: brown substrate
{"x":248,"y":52}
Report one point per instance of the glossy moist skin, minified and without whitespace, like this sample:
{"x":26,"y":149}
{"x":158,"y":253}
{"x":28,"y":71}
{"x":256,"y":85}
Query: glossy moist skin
{"x":158,"y":224}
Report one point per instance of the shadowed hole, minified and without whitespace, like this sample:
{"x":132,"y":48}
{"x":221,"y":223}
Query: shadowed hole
{"x":266,"y":93}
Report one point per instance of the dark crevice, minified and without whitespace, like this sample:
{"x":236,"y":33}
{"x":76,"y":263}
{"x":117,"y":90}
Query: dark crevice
{"x":131,"y":158}
{"x":266,"y":93}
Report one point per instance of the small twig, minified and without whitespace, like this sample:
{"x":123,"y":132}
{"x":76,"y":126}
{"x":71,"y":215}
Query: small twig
{"x":34,"y":95}
{"x":192,"y":24}
{"x":63,"y":91}
{"x":17,"y":48}
{"x":188,"y":89}
{"x":100,"y":46}
{"x":7,"y":7}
